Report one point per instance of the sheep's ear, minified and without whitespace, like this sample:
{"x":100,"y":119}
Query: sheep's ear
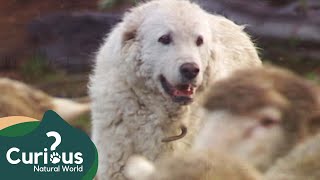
{"x":314,"y":123}
{"x":138,"y":168}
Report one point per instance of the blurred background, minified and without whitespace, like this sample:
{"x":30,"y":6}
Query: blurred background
{"x":50,"y":44}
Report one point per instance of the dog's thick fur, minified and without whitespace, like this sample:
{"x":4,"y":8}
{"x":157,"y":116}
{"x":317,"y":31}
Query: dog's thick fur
{"x":131,"y":112}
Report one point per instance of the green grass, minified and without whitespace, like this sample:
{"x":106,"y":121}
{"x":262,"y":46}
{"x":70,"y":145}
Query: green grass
{"x":37,"y":69}
{"x":39,"y":73}
{"x":83,"y":123}
{"x":313,"y":76}
{"x":107,"y":4}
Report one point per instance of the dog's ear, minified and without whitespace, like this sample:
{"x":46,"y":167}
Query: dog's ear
{"x":131,"y":23}
{"x":130,"y":32}
{"x":231,"y":45}
{"x":129,"y":35}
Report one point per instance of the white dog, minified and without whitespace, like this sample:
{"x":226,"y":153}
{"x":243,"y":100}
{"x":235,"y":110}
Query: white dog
{"x":149,"y":72}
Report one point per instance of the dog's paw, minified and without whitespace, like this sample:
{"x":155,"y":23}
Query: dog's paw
{"x":55,"y":158}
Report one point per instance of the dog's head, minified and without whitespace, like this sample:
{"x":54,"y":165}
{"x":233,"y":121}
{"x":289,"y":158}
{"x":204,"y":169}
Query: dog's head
{"x":170,"y":47}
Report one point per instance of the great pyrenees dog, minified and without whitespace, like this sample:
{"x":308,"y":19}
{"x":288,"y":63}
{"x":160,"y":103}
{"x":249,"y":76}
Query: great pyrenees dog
{"x":149,"y":76}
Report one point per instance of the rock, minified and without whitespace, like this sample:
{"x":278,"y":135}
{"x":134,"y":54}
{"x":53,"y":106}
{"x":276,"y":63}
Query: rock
{"x":265,"y":20}
{"x":69,"y":40}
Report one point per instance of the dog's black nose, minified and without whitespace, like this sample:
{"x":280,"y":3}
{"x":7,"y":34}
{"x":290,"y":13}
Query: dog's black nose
{"x":189,"y":70}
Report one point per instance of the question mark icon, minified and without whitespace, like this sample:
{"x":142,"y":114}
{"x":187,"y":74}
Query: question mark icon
{"x":57,"y":137}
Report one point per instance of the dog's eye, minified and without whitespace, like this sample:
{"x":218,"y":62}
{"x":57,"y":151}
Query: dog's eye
{"x":199,"y":41}
{"x":165,"y":39}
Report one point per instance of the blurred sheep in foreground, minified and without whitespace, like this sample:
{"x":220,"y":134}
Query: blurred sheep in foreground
{"x":19,"y":99}
{"x":267,"y":117}
{"x":203,"y":165}
{"x":260,"y":114}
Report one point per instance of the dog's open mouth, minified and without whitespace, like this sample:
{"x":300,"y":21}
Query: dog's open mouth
{"x":181,"y":93}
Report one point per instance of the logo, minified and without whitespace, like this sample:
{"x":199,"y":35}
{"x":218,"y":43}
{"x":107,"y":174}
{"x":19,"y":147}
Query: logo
{"x":35,"y":157}
{"x":50,"y":149}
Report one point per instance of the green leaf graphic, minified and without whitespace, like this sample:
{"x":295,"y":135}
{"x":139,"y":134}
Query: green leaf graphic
{"x":75,"y":157}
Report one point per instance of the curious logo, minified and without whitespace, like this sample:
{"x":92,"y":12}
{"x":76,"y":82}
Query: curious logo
{"x":50,"y":149}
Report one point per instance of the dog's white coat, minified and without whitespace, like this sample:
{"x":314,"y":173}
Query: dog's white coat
{"x":131,"y":113}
